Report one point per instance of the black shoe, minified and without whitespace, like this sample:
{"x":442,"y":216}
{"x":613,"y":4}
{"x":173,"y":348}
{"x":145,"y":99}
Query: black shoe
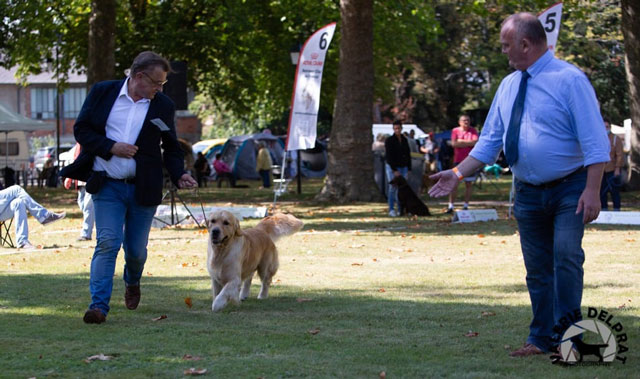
{"x":132,"y":297}
{"x":94,"y":316}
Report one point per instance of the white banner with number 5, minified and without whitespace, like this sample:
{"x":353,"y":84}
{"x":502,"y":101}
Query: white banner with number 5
{"x":305,"y":101}
{"x":550,"y":19}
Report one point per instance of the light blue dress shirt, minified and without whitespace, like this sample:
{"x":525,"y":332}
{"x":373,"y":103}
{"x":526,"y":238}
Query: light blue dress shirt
{"x":561,"y":128}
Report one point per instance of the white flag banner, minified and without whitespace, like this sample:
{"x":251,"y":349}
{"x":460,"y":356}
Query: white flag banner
{"x":305,"y":100}
{"x":550,"y":19}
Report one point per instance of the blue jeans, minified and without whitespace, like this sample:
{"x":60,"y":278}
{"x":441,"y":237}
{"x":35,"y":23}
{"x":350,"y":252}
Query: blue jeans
{"x":15,"y":202}
{"x":120,"y":221}
{"x":551,"y":239}
{"x":88,"y":215}
{"x":392,"y":196}
{"x":610,"y":184}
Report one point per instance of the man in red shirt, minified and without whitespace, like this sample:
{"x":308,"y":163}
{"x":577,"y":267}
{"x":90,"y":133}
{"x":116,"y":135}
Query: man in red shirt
{"x":463,"y":138}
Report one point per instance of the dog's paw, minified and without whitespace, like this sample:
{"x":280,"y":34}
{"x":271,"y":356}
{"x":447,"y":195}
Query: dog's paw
{"x":217,"y":306}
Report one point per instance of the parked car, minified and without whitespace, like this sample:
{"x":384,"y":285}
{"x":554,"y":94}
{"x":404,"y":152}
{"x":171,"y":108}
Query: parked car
{"x":44,"y":153}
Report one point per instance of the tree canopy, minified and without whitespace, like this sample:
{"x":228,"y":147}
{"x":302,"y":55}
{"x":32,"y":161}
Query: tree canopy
{"x":432,"y":59}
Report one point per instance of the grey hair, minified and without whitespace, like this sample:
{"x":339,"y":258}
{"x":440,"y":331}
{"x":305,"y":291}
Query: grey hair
{"x":147,"y":59}
{"x":527,"y":25}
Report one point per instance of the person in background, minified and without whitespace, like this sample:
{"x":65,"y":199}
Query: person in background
{"x":463,"y":138}
{"x":202,"y":169}
{"x":398,"y":162}
{"x":263,"y":164}
{"x":611,"y":181}
{"x":15,"y":202}
{"x":223,"y":170}
{"x":85,"y":203}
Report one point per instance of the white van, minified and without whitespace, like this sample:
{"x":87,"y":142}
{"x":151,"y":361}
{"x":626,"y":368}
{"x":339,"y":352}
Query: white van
{"x":14,"y":150}
{"x":388,"y":130}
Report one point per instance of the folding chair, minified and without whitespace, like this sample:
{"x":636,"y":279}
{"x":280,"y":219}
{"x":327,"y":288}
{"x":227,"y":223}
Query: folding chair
{"x":5,"y":233}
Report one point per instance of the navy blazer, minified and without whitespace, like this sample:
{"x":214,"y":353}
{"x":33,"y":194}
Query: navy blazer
{"x":90,"y":132}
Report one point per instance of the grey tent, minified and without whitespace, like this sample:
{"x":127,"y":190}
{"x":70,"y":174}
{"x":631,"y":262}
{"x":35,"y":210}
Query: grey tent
{"x":240,"y":153}
{"x":11,"y":121}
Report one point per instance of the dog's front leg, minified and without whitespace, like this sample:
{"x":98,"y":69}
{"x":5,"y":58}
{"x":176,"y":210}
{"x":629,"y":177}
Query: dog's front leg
{"x":230,"y":292}
{"x":246,"y":287}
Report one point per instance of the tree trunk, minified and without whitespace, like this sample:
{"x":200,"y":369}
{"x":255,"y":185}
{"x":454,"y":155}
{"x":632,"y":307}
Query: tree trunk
{"x":102,"y":40}
{"x":631,"y":32}
{"x":350,"y":167}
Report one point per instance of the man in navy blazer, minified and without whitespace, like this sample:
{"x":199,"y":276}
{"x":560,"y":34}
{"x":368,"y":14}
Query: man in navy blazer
{"x":126,"y":129}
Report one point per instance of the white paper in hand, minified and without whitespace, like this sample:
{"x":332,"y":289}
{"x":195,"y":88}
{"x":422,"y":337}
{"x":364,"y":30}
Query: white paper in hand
{"x":160,"y":124}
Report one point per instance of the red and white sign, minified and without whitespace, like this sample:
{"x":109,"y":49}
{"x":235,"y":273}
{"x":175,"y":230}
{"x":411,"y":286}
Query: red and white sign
{"x":550,"y":19}
{"x":305,"y":100}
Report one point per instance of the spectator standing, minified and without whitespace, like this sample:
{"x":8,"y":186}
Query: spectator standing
{"x":547,"y":117}
{"x":611,"y":181}
{"x":463,"y":138}
{"x":85,"y":202}
{"x":263,"y":165}
{"x":202,"y":169}
{"x":398,"y":162}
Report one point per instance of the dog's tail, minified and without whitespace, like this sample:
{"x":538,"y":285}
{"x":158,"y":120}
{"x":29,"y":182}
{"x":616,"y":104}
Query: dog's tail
{"x":280,"y":225}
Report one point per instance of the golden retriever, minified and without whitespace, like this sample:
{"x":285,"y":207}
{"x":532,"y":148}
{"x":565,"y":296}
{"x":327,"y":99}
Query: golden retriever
{"x":234,"y":255}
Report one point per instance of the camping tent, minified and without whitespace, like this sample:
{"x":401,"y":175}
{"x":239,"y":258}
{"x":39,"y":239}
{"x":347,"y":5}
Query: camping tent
{"x":240,"y":153}
{"x":12,"y":122}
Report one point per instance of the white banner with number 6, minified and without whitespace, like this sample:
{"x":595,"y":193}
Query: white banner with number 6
{"x":550,"y":19}
{"x":305,"y":101}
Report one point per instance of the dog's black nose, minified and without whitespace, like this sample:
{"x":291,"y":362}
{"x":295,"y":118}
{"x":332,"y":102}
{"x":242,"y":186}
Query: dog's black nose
{"x":215,"y":233}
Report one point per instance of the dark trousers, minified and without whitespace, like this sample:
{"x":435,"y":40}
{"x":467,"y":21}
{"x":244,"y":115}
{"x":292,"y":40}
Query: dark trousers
{"x":610,"y":184}
{"x":266,"y":178}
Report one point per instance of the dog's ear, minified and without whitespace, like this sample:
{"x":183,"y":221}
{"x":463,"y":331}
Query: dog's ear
{"x":236,"y":226}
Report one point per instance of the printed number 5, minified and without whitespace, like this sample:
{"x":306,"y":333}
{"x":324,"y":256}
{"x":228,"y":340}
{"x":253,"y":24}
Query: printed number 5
{"x":550,"y":22}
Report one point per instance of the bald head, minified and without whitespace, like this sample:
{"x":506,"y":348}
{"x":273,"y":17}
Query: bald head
{"x":523,"y":40}
{"x":527,"y":25}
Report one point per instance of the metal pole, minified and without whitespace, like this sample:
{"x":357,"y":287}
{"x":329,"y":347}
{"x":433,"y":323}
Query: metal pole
{"x":299,"y":173}
{"x":58,"y":105}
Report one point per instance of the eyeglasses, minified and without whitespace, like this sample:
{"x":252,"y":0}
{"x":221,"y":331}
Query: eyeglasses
{"x":155,"y":82}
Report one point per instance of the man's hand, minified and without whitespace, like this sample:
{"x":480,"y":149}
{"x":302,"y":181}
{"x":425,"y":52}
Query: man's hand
{"x":589,"y":203}
{"x":396,"y":174}
{"x":186,"y":181}
{"x":447,"y":182}
{"x":124,"y":150}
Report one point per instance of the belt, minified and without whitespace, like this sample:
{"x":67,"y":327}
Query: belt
{"x":124,"y":180}
{"x":553,"y":183}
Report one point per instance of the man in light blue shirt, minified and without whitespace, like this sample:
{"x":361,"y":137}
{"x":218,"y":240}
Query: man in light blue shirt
{"x":558,"y":148}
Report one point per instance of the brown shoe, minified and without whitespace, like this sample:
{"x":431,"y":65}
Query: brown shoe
{"x":526,"y":350}
{"x":132,"y":297}
{"x":94,"y":316}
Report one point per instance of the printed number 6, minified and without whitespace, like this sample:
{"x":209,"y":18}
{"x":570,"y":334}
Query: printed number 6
{"x":550,"y":22}
{"x":323,"y":41}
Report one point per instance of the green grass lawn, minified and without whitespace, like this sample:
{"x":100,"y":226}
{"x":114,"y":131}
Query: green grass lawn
{"x":357,"y":294}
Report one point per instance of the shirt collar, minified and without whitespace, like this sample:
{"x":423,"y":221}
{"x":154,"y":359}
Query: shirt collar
{"x":124,"y":91}
{"x":538,"y":65}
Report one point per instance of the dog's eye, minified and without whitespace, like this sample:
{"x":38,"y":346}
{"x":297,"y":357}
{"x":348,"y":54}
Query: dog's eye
{"x":212,"y":221}
{"x":225,"y":222}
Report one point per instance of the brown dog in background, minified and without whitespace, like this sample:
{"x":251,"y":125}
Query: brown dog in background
{"x":234,"y":255}
{"x":409,"y":202}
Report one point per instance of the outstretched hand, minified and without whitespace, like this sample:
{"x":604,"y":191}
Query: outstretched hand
{"x":447,"y":182}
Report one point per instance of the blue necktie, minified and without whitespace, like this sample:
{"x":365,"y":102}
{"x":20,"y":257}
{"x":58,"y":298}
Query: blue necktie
{"x":513,"y":133}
